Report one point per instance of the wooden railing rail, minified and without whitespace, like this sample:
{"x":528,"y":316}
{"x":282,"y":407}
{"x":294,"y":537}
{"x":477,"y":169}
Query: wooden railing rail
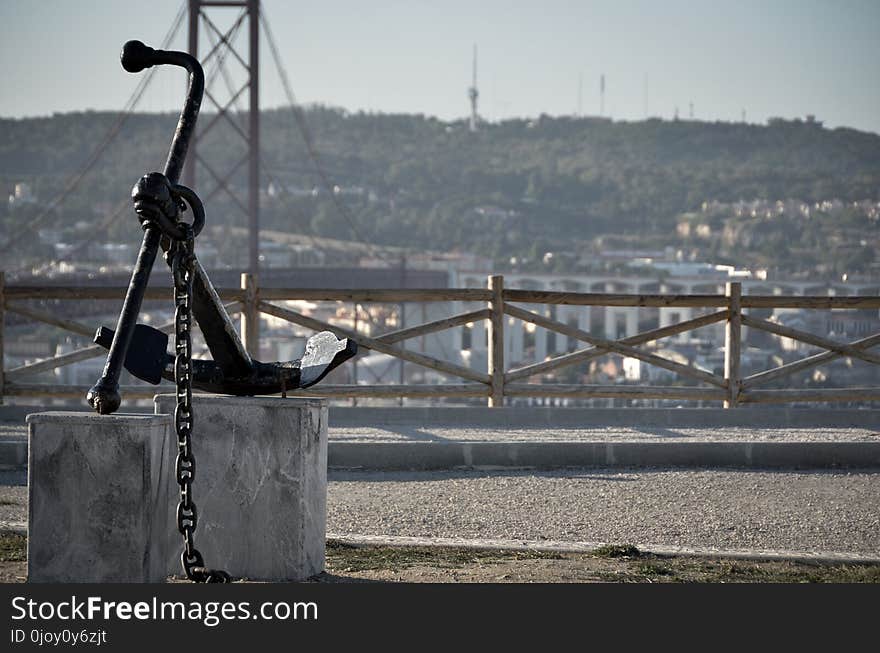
{"x":497,"y":382}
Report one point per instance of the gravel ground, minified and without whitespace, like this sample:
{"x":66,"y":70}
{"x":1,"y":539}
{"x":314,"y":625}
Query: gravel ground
{"x":13,"y":499}
{"x":804,"y":511}
{"x":816,"y":511}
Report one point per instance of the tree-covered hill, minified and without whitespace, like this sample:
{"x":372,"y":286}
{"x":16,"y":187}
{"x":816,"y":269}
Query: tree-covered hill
{"x":512,"y":188}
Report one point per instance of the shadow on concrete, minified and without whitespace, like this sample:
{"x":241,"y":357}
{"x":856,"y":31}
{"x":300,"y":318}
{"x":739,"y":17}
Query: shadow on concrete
{"x":13,"y":478}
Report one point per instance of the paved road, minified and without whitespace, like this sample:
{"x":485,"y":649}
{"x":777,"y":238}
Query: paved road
{"x":442,"y":433}
{"x":434,"y":433}
{"x":776,"y":424}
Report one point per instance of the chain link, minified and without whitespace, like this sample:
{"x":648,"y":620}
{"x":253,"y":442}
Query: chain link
{"x":182,"y":270}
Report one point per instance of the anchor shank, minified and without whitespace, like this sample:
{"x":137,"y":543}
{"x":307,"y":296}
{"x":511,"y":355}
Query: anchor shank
{"x":219,"y":332}
{"x":186,"y":125}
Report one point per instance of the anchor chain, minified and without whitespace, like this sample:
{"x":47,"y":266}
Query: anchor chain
{"x":182,"y":269}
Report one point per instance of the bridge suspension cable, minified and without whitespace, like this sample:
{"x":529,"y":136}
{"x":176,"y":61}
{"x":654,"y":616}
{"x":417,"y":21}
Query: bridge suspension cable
{"x":221,"y":70}
{"x":74,"y":181}
{"x":303,"y":127}
{"x":129,"y":108}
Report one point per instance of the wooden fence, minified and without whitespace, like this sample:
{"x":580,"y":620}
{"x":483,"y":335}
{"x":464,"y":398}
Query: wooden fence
{"x":499,"y":303}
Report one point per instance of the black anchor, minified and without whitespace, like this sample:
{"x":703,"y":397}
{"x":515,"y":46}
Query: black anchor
{"x":142,"y":350}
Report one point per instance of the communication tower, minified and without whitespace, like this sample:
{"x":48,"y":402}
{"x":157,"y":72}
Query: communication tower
{"x":473,"y":94}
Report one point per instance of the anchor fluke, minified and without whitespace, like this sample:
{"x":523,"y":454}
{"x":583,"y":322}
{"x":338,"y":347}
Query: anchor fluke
{"x":148,"y":360}
{"x":146,"y":357}
{"x":323,"y":353}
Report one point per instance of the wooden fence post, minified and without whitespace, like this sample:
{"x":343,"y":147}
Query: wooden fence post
{"x":496,"y":342}
{"x":733,"y":344}
{"x":2,"y":328}
{"x":250,"y":315}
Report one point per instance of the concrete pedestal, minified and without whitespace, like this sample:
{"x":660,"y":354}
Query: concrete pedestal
{"x":260,"y":485}
{"x":99,"y":508}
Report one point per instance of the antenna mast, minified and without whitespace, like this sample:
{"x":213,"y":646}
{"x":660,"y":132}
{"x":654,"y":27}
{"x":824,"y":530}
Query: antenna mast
{"x":473,"y":94}
{"x":580,"y":109}
{"x":602,"y":96}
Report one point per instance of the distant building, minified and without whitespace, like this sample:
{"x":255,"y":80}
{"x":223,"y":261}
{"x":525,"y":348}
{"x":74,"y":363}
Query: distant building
{"x":22,"y":194}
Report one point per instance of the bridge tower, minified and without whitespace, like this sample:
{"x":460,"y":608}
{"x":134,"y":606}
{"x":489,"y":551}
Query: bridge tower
{"x":204,"y":17}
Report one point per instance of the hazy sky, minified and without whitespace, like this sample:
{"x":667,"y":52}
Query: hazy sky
{"x":783,"y":58}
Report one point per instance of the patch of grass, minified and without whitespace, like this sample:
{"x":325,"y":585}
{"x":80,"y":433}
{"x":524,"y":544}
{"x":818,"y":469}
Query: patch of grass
{"x":653,"y":569}
{"x":617,"y":551}
{"x":345,"y":557}
{"x":336,"y":545}
{"x":612,"y":564}
{"x":794,"y":572}
{"x":13,"y":547}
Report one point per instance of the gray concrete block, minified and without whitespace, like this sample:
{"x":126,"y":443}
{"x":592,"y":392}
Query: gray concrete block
{"x":98,"y":503}
{"x":260,"y":484}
